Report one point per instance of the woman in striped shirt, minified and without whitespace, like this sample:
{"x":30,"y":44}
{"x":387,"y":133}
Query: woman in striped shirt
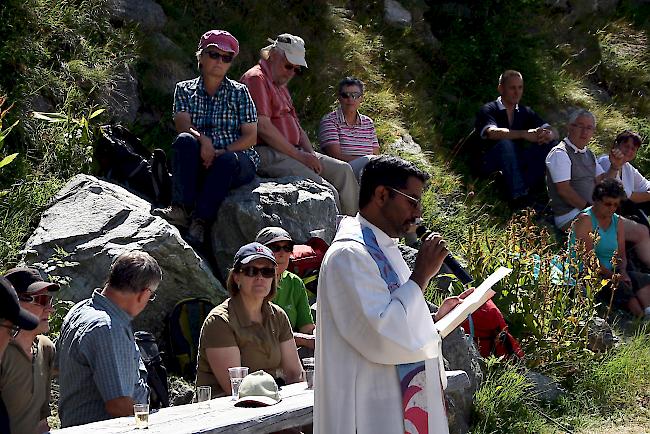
{"x":345,"y":133}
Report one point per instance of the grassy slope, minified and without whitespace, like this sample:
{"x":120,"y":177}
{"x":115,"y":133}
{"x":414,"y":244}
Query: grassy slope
{"x":69,"y":52}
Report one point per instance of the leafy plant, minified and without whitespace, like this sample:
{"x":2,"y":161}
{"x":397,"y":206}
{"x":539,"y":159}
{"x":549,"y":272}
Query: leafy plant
{"x":77,"y":135}
{"x":4,"y":131}
{"x":548,"y":299}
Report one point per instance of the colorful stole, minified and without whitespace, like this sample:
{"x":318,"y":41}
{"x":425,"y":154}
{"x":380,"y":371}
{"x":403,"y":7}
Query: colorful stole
{"x":419,"y":413}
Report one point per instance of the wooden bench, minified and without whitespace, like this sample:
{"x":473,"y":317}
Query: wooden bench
{"x":295,"y":409}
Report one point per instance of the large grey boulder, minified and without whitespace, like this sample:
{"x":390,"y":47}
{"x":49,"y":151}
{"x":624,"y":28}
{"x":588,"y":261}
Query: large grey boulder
{"x":147,"y":13}
{"x":396,"y":15}
{"x":90,"y":222}
{"x":302,"y":207}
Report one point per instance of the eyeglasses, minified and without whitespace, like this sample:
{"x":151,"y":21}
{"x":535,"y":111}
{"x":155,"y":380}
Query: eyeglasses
{"x":14,"y":330}
{"x":296,"y":68}
{"x":275,"y":248}
{"x":266,"y":272}
{"x":583,"y":127}
{"x":353,"y":95}
{"x":225,"y":58}
{"x":152,"y":297}
{"x":415,"y":203}
{"x":44,"y":300}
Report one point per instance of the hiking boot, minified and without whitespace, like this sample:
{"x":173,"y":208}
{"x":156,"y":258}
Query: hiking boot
{"x":174,"y":214}
{"x":196,"y":233}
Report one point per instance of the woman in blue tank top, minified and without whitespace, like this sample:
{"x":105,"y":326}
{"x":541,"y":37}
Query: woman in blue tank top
{"x":633,"y":291}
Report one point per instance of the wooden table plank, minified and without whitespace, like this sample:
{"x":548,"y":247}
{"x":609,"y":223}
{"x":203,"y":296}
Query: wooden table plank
{"x":295,"y":409}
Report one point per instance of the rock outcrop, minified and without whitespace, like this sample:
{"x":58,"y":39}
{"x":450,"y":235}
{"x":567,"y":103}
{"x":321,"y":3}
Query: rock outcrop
{"x":90,"y":222}
{"x":298,"y":205}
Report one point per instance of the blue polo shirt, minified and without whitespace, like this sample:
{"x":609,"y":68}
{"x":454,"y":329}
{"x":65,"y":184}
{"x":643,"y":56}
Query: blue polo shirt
{"x":98,"y":361}
{"x":220,"y":116}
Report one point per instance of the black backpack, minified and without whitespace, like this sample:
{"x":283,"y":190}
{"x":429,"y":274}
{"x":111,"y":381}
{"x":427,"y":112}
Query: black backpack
{"x":156,"y":371}
{"x":123,"y":159}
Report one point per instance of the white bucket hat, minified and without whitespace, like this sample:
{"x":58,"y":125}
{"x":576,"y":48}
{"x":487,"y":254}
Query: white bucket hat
{"x":292,"y":46}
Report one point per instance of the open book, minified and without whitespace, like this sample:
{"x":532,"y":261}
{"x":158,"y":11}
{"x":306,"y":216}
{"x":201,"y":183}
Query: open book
{"x":475,"y":300}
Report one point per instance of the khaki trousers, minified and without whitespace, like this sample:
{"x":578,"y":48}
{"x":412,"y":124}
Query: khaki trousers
{"x":337,"y":175}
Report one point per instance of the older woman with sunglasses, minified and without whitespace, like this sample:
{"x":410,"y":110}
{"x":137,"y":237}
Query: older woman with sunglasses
{"x":633,"y":290}
{"x":345,"y":133}
{"x":292,"y":294}
{"x":247,"y":329}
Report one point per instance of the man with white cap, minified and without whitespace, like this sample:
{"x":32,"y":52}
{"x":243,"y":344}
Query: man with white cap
{"x":282,"y":144}
{"x":13,"y":318}
{"x":216,"y":122}
{"x":27,"y":366}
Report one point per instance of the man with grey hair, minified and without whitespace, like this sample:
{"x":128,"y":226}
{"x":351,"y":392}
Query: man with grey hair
{"x":101,"y":372}
{"x":572,"y":171}
{"x":282,"y":144}
{"x":515,"y":140}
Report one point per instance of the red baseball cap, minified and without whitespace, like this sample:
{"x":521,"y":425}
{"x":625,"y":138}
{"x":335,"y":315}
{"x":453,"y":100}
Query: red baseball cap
{"x":220,"y":39}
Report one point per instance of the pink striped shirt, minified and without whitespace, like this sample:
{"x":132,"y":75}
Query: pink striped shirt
{"x":355,"y":140}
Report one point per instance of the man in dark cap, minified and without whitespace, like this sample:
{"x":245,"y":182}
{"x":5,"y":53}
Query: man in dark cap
{"x":27,"y":366}
{"x":13,"y":318}
{"x":216,"y":121}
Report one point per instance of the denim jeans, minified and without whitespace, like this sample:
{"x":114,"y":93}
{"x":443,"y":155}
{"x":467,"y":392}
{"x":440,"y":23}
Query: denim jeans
{"x":203,"y":189}
{"x":523,"y":167}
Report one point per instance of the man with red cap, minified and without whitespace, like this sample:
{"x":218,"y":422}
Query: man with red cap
{"x":27,"y":366}
{"x":282,"y":144}
{"x":216,"y":121}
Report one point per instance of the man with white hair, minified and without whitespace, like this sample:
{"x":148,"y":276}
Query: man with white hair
{"x":282,"y":144}
{"x":572,"y":170}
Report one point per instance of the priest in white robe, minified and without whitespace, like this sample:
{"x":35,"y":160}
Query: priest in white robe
{"x":364,"y":328}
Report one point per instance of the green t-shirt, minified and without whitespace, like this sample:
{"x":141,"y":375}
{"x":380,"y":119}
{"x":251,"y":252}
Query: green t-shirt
{"x":292,"y":297}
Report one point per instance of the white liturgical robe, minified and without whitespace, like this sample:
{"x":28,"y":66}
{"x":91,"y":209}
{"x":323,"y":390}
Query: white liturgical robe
{"x":363,"y":331}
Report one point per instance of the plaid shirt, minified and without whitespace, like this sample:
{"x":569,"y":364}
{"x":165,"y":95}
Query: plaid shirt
{"x":98,"y":360}
{"x":220,"y":116}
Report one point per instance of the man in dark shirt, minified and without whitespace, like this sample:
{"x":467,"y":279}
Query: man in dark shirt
{"x":515,"y":138}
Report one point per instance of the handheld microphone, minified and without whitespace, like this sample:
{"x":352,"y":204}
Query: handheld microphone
{"x":451,"y":262}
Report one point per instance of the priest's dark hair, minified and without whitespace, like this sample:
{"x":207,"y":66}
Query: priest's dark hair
{"x":389,"y":171}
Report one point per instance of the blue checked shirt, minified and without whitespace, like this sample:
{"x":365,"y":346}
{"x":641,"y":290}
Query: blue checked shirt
{"x":220,"y":116}
{"x":98,"y":360}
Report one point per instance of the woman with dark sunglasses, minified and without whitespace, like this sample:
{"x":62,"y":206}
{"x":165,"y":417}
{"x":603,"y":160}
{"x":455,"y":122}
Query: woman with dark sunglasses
{"x":292,"y":294}
{"x":346,"y":134}
{"x":247,"y":329}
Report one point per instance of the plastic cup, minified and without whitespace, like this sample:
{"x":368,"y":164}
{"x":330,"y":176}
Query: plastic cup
{"x":141,"y":413}
{"x":309,"y":364}
{"x":237,"y":374}
{"x":203,"y":395}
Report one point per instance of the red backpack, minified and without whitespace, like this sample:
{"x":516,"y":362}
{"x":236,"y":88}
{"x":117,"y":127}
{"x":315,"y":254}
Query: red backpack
{"x":306,"y":259}
{"x":490,"y":332}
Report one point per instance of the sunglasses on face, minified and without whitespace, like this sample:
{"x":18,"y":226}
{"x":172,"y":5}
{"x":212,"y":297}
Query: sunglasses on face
{"x":225,"y":58}
{"x":275,"y":248}
{"x":353,"y":95}
{"x":415,"y":203}
{"x":44,"y":300}
{"x":266,"y":272}
{"x":296,"y":68}
{"x":13,"y":329}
